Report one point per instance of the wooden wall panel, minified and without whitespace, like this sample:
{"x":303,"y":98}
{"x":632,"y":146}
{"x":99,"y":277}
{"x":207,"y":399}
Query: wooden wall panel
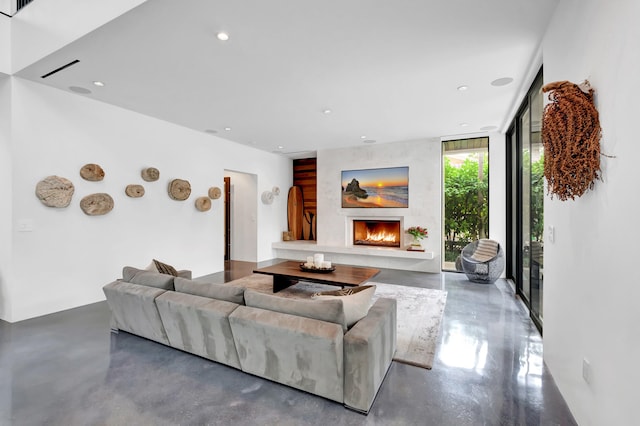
{"x":305,"y":176}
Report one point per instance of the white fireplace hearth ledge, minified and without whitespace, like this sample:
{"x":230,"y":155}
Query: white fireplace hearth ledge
{"x":311,"y":246}
{"x":381,"y":257}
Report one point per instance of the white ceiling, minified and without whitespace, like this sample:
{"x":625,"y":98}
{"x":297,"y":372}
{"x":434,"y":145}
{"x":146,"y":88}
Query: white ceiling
{"x":387,"y":70}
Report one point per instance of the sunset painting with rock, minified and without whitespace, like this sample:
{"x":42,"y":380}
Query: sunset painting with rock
{"x":379,"y":188}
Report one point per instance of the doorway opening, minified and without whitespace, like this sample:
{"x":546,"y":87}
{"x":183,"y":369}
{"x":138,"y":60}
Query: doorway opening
{"x":241,"y":212}
{"x":465,"y":196}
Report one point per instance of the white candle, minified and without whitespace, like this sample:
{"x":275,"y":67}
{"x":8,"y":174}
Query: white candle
{"x":326,"y":265}
{"x":318,"y":258}
{"x":310,"y":260}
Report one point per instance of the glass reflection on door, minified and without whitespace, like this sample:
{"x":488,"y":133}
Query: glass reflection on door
{"x":526,"y":210}
{"x":525,"y":160}
{"x":536,"y":185}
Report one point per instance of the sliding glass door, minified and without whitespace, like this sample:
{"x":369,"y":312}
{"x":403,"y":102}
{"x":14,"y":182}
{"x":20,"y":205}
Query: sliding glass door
{"x":525,"y":208}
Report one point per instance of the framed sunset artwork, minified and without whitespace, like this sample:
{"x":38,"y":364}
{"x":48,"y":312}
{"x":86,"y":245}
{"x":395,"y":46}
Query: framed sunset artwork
{"x":376,"y":188}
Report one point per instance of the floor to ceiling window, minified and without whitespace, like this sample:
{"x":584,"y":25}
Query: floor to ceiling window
{"x":465,"y":196}
{"x":525,"y":207}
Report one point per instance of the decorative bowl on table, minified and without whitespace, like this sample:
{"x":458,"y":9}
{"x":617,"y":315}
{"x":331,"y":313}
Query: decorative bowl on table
{"x":305,"y":268}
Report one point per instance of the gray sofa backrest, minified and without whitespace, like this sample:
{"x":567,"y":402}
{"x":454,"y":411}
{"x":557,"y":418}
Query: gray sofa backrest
{"x":323,"y":310}
{"x":210,"y":290}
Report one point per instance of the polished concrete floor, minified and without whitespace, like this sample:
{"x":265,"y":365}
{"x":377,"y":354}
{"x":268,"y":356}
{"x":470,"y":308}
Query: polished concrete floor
{"x":68,"y":369}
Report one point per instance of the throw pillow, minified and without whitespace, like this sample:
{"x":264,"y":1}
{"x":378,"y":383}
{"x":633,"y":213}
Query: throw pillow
{"x":356,"y":301}
{"x":485,"y":250}
{"x":153,"y":279}
{"x":129,"y":272}
{"x":163,"y":268}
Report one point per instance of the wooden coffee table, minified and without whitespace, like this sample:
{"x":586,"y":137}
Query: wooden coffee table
{"x":288,"y":273}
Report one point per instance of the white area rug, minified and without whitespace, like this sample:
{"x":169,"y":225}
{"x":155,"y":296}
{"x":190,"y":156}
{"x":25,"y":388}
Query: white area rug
{"x":420,"y":313}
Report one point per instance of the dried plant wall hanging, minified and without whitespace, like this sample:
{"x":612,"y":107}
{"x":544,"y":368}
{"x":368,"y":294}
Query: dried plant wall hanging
{"x":571,"y":139}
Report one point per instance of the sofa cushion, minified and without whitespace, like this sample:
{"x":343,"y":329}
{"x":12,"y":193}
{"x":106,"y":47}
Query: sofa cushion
{"x":210,"y":290}
{"x":485,"y":250}
{"x":323,"y":310}
{"x":199,"y":325}
{"x":356,"y":301}
{"x":293,"y":350}
{"x":148,"y":278}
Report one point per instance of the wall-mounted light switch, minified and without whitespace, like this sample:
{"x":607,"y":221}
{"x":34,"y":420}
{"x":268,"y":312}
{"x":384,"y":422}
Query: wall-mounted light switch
{"x":25,"y":225}
{"x":551,"y":233}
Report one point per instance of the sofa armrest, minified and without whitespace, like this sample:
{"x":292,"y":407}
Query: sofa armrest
{"x":369,"y":347}
{"x":133,"y":309}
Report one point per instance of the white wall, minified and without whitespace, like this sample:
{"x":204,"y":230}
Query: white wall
{"x":45,"y":26}
{"x":244,"y":222}
{"x":591,"y":287}
{"x":424,"y":160}
{"x":5,"y":195}
{"x":5,"y":44}
{"x":69,"y":256}
{"x":8,"y":6}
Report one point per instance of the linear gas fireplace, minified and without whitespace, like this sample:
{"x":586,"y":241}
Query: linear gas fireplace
{"x":373,"y":232}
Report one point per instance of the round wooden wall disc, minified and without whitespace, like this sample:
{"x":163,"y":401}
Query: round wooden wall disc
{"x":55,"y":191}
{"x":203,"y":204}
{"x":96,"y":204}
{"x":214,"y":193}
{"x":92,"y":172}
{"x":150,"y":174}
{"x":179,"y":189}
{"x":134,"y":191}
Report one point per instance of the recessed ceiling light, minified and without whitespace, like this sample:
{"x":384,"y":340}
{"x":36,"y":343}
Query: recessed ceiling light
{"x":487,"y":128}
{"x":369,"y":141}
{"x":79,"y":89}
{"x":98,"y":83}
{"x":326,"y":111}
{"x":502,"y":81}
{"x":280,"y":147}
{"x":222,"y":36}
{"x":463,"y":88}
{"x":363,"y":137}
{"x":211,"y":131}
{"x":464,"y":124}
{"x":227,"y":128}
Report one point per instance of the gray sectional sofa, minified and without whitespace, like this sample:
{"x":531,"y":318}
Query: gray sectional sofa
{"x":301,"y":343}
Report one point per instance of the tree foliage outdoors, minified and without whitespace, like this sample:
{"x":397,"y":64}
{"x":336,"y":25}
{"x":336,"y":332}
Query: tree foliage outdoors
{"x":466,"y":195}
{"x":537,"y":199}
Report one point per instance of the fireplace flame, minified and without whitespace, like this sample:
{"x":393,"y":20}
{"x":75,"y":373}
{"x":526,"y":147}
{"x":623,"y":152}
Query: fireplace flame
{"x":382,"y":236}
{"x":384,"y":233}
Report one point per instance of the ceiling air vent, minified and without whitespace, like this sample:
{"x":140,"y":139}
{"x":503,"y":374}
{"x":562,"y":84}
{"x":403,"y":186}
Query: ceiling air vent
{"x":50,"y":73}
{"x":22,"y":3}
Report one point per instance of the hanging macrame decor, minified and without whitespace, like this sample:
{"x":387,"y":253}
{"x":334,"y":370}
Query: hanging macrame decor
{"x":571,"y":139}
